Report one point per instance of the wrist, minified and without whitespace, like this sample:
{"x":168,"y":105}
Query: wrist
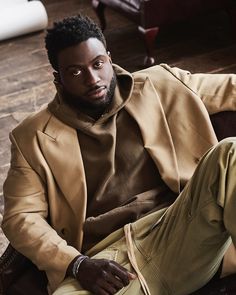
{"x":70,"y":266}
{"x":76,"y":265}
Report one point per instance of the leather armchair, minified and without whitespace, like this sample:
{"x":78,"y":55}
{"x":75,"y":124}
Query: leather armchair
{"x":150,"y":15}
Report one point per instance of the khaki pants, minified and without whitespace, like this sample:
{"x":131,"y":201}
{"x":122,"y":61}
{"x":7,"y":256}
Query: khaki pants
{"x":179,"y":249}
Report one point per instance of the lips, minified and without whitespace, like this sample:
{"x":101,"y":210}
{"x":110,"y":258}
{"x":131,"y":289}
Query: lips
{"x":97,"y":92}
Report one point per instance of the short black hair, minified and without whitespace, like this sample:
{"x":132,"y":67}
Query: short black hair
{"x":69,"y":32}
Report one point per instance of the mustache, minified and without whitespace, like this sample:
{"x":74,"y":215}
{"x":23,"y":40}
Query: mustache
{"x":96,"y":87}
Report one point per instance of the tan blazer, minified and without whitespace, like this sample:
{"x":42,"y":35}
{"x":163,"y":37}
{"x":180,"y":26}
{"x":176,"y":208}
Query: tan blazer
{"x":45,"y":191}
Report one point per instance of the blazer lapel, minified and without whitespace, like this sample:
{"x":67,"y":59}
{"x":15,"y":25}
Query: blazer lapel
{"x":146,"y":109}
{"x":59,"y":144}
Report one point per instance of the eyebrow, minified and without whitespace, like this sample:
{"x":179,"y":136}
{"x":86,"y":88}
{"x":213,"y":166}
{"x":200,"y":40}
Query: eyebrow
{"x":78,"y":65}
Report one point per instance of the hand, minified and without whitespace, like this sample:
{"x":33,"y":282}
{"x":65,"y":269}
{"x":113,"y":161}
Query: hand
{"x":102,"y":276}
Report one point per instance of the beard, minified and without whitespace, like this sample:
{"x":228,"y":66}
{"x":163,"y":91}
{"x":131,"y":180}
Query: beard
{"x":81,"y":104}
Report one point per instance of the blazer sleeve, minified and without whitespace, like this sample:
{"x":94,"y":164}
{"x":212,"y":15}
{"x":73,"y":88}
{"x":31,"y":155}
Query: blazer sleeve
{"x":25,"y":220}
{"x":217,"y":91}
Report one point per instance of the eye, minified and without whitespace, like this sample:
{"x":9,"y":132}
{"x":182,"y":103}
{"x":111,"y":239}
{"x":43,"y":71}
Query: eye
{"x":98,"y":64}
{"x":76,"y":72}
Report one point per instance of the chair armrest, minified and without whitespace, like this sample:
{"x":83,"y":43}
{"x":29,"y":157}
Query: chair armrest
{"x":18,"y":274}
{"x":11,"y":265}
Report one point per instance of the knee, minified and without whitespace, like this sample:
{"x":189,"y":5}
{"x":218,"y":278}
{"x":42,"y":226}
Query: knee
{"x":222,"y":155}
{"x":226,"y":145}
{"x":228,"y":140}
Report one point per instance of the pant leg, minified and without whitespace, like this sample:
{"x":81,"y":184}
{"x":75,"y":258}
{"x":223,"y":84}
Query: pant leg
{"x":70,"y":287}
{"x":187,"y":246}
{"x":182,"y":251}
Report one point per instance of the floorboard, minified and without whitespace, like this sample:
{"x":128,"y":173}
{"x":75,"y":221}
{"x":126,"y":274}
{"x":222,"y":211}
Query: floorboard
{"x":203,"y":44}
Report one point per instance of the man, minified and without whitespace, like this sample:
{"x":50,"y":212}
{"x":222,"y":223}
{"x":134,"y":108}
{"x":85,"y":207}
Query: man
{"x":93,"y":175}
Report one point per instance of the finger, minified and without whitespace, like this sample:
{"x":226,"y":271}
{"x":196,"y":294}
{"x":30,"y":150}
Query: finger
{"x":132,"y":276}
{"x":118,"y":265}
{"x":110,"y":282}
{"x":115,"y":281}
{"x":109,"y":288}
{"x":100,"y":291}
{"x":120,"y":272}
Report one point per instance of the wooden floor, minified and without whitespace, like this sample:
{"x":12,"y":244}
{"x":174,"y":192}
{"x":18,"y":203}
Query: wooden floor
{"x":204,"y":44}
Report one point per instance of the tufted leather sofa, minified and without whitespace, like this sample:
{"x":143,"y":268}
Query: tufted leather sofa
{"x":150,"y":15}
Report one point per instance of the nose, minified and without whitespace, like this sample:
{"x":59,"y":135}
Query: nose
{"x":91,"y":77}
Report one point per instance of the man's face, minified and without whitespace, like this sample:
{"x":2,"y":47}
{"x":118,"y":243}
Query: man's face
{"x":86,"y":76}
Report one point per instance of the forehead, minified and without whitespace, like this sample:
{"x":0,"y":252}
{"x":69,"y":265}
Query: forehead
{"x":81,"y":54}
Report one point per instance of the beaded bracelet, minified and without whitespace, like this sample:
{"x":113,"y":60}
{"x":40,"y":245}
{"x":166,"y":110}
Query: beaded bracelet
{"x":77,"y":264}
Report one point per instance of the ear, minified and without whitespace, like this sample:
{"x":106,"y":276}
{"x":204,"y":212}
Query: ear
{"x":109,"y":54}
{"x":57,"y":79}
{"x":57,"y":82}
